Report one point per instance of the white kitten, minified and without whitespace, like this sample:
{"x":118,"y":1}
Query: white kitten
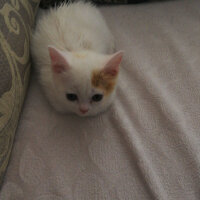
{"x":72,"y":49}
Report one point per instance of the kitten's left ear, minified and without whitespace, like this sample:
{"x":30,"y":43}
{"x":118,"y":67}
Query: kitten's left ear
{"x":112,"y":66}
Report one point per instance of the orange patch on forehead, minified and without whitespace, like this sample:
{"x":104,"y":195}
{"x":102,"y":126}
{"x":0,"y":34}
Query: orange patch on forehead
{"x":79,"y":55}
{"x":103,"y":81}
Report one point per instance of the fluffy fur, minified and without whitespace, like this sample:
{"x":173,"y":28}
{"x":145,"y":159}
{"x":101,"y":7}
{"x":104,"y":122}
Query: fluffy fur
{"x":72,"y":48}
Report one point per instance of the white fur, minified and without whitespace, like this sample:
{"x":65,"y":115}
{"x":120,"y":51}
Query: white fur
{"x":79,"y":30}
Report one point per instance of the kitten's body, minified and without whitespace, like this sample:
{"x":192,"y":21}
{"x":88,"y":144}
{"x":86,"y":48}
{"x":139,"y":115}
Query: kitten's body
{"x":81,"y":42}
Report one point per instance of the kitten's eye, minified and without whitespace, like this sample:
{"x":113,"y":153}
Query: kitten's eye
{"x":71,"y":97}
{"x":97,"y":97}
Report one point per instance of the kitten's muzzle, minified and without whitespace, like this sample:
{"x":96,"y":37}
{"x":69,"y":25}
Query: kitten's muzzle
{"x":83,"y":109}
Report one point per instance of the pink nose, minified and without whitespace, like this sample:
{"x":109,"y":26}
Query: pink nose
{"x":84,"y":110}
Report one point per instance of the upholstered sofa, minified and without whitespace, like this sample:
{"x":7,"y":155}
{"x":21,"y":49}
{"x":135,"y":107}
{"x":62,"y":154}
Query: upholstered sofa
{"x":146,"y":146}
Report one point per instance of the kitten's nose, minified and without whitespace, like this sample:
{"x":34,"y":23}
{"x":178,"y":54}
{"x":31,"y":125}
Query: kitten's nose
{"x":83,"y":109}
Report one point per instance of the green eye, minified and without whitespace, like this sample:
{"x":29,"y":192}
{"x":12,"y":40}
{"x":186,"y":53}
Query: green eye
{"x":97,"y":97}
{"x":72,"y":97}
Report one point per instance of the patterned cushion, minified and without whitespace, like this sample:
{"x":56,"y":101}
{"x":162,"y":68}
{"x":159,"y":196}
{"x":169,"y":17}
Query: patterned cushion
{"x":16,"y":19}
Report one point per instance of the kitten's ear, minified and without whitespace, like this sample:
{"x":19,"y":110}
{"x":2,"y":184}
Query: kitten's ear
{"x":112,"y":66}
{"x":58,"y":60}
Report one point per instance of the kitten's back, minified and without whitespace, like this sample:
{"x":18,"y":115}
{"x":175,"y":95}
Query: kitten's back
{"x":74,"y":27}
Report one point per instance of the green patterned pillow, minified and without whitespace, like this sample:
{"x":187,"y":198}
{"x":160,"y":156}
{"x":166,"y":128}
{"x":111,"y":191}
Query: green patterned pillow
{"x":16,"y":20}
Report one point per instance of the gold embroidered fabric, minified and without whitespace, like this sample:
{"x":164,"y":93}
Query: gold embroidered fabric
{"x":16,"y":20}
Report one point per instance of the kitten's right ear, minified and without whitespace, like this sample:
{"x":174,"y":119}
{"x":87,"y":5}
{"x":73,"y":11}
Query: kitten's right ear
{"x":58,"y":61}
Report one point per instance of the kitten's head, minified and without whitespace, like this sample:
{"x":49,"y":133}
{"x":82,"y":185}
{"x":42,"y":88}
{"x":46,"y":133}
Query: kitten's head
{"x":84,"y":82}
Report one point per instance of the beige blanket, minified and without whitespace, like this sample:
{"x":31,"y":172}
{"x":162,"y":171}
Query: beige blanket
{"x":147,"y":146}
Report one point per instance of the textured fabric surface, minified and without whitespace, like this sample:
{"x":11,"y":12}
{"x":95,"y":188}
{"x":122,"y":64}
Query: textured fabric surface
{"x":147,"y":146}
{"x":16,"y":19}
